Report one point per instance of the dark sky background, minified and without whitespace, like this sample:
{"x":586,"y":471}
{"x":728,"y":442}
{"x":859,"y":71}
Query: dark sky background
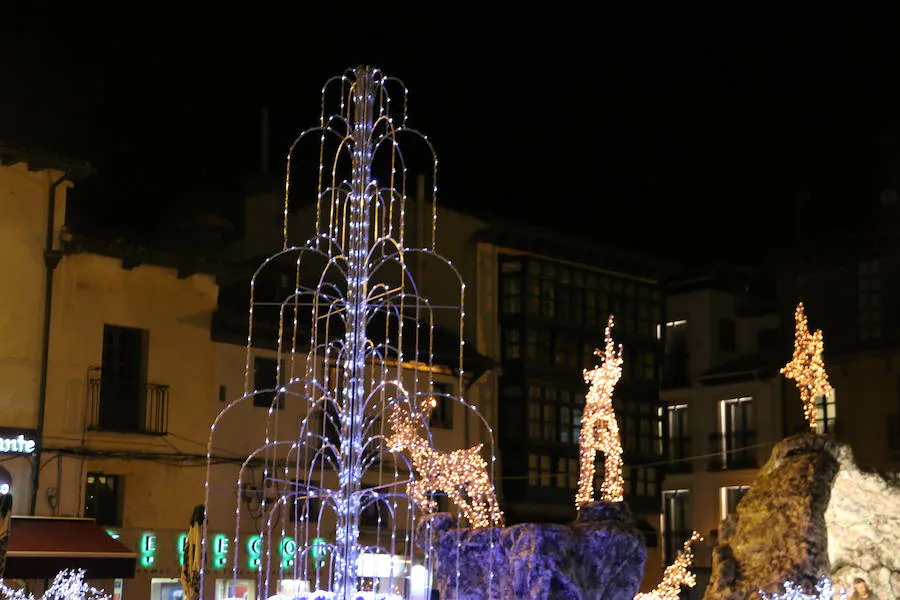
{"x":683,"y":130}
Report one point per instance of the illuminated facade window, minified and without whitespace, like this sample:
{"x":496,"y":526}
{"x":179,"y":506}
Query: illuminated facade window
{"x":736,"y":440}
{"x":679,"y":442}
{"x":676,"y":521}
{"x":826,"y":412}
{"x":729,"y":498}
{"x":265,"y":377}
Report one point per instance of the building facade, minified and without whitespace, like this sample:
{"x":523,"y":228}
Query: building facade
{"x":542,"y":305}
{"x":723,"y":400}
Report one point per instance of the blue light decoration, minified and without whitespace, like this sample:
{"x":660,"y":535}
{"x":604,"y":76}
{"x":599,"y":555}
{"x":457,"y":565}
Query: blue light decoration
{"x":354,"y":337}
{"x":148,"y":549}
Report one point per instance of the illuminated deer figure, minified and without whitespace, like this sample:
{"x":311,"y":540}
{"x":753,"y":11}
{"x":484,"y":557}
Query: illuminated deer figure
{"x":461,"y":474}
{"x":599,"y":428}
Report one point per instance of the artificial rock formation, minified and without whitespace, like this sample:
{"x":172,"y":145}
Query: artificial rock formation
{"x":811,"y":513}
{"x":600,"y":555}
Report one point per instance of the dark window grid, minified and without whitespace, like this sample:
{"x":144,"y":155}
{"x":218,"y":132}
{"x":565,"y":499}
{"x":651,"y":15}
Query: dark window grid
{"x":552,"y":471}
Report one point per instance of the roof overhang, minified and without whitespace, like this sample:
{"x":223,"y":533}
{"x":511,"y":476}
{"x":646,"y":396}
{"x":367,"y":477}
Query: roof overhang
{"x":41,"y":547}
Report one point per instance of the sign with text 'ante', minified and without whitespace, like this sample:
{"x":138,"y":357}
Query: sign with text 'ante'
{"x":17,"y":441}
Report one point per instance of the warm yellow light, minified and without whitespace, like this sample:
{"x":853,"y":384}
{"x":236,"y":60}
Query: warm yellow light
{"x":676,"y":575}
{"x":807,"y":368}
{"x":461,"y":474}
{"x":599,"y":428}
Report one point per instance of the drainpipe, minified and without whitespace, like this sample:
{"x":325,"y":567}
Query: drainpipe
{"x":51,"y":260}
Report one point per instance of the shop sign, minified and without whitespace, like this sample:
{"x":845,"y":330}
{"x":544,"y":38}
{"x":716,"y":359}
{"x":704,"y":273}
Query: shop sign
{"x":17,"y":441}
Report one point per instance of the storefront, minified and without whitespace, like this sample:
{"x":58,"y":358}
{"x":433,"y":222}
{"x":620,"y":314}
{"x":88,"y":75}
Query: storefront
{"x":160,"y":554}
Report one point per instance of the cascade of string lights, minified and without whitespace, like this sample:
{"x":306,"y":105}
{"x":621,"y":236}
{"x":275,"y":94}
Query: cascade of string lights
{"x":346,"y":434}
{"x":68,"y":584}
{"x":794,"y":591}
{"x":807,"y":368}
{"x":676,"y":575}
{"x":599,"y":428}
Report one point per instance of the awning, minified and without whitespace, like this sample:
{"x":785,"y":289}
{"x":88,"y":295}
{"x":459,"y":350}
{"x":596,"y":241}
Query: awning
{"x":41,"y":547}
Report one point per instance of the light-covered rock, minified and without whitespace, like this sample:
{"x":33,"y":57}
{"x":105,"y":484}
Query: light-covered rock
{"x":811,"y":513}
{"x":601,"y":555}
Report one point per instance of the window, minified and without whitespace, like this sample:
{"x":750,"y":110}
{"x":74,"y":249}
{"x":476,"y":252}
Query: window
{"x":870,"y":309}
{"x":511,"y":287}
{"x":122,"y":378}
{"x":304,"y":506}
{"x":644,"y":482}
{"x":102,"y":499}
{"x":265,"y":377}
{"x":223,"y":393}
{"x":679,"y":435}
{"x":552,"y":471}
{"x":676,"y":522}
{"x":730,"y":496}
{"x":737,"y":433}
{"x":727,"y":335}
{"x":442,"y":412}
{"x":512,"y":343}
{"x":826,"y":412}
{"x":675,"y":361}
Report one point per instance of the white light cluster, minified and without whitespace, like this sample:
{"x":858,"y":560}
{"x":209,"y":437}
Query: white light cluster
{"x":807,"y":368}
{"x":676,"y":575}
{"x":793,"y":591}
{"x":67,"y":585}
{"x":599,"y":428}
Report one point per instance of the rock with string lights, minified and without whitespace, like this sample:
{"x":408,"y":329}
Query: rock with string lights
{"x":600,"y":555}
{"x":807,"y":368}
{"x":811,"y":514}
{"x":599,"y":428}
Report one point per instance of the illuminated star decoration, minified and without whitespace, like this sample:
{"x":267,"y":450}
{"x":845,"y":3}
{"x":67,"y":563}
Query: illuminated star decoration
{"x":461,"y":474}
{"x":676,"y":575}
{"x":807,"y":368}
{"x":599,"y":428}
{"x":68,"y":585}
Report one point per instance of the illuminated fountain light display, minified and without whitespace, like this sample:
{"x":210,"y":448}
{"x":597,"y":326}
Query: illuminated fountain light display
{"x":354,"y":339}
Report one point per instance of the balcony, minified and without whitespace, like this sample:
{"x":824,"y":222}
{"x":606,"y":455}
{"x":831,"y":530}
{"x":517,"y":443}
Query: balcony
{"x":126,"y":407}
{"x":675,"y":371}
{"x":732,"y":450}
{"x":678,"y":455}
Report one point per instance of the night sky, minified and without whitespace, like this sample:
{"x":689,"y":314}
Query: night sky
{"x":679,"y":130}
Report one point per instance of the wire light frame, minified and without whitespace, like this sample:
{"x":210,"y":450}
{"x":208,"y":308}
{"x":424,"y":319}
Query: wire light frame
{"x":342,"y":467}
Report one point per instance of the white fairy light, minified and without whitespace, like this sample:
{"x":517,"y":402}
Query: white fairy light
{"x":599,"y":428}
{"x":676,"y":575}
{"x":68,"y":584}
{"x":794,"y":591}
{"x":354,"y":367}
{"x":807,"y":368}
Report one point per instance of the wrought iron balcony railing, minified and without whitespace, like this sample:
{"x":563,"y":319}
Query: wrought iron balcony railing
{"x":123,"y":406}
{"x":732,"y":450}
